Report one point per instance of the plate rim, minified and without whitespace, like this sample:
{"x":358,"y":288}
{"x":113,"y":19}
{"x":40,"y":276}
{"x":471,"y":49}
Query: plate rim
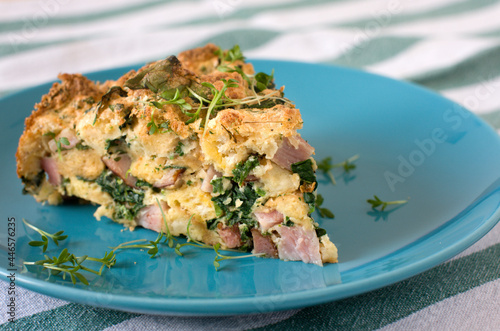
{"x":181,"y":306}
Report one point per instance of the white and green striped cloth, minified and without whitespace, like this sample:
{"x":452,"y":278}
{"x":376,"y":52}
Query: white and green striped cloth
{"x":450,"y":46}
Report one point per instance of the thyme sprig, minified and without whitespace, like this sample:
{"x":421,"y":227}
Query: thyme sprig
{"x":205,"y":104}
{"x":326,"y":166}
{"x":220,"y":257}
{"x":150,"y":245}
{"x":231,"y":55}
{"x":256,"y":99}
{"x":169,"y":239}
{"x":218,"y":96}
{"x":377,"y":202}
{"x":69,"y":264}
{"x":323,"y":212}
{"x":221,"y":100}
{"x":201,"y":100}
{"x":191,"y":241}
{"x":177,"y":99}
{"x":257,"y":83}
{"x":66,"y":263}
{"x":56,"y":237}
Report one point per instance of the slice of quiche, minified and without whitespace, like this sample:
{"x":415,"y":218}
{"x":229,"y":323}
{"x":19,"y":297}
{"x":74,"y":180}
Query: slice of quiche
{"x":199,"y":137}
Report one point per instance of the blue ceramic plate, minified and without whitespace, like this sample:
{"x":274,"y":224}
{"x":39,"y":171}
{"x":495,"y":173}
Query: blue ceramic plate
{"x":413,"y":144}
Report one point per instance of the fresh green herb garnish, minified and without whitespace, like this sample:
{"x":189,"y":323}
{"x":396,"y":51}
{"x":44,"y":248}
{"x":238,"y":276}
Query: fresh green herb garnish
{"x":265,"y":104}
{"x":212,"y":224}
{"x":191,"y":241}
{"x":326,"y":166}
{"x":219,"y":257}
{"x":56,"y":237}
{"x":151,"y":246}
{"x":376,"y":202}
{"x":202,"y":101}
{"x":62,"y":141}
{"x":69,"y":264}
{"x":166,"y":126}
{"x":66,"y":263}
{"x":257,"y":83}
{"x":153,"y":128}
{"x":219,"y":96}
{"x":161,"y":78}
{"x":169,"y":239}
{"x":323,"y":212}
{"x":231,"y":55}
{"x":257,"y":101}
{"x":263,"y":81}
{"x":176,"y":99}
{"x":225,"y":68}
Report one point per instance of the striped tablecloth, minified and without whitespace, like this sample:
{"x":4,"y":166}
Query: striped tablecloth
{"x":450,"y":46}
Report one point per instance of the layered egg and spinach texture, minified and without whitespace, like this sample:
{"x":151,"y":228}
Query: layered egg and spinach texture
{"x":198,"y":143}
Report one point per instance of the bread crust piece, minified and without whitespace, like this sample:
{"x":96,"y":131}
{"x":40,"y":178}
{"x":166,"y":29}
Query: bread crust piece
{"x":51,"y":113}
{"x":235,"y":134}
{"x":148,"y":138}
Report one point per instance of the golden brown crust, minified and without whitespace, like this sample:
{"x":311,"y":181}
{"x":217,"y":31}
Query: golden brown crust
{"x":216,"y":78}
{"x":200,"y":60}
{"x":74,"y":103}
{"x":280,"y":119}
{"x":71,"y":86}
{"x":49,"y":116}
{"x":168,"y":113}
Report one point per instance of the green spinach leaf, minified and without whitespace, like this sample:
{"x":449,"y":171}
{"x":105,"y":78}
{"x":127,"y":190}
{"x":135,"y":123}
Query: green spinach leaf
{"x":305,"y":171}
{"x":242,"y":169}
{"x":128,"y":200}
